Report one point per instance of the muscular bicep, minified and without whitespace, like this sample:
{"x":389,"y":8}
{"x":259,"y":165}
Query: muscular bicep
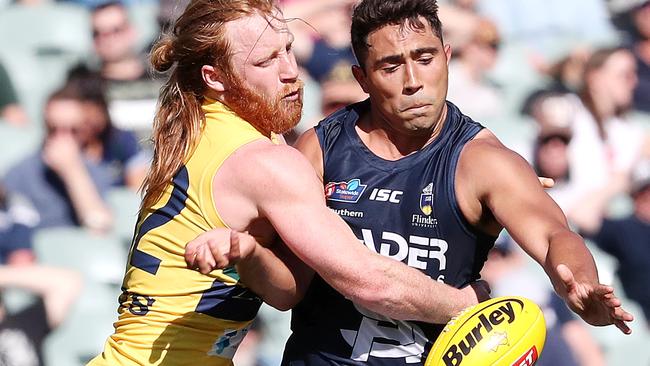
{"x":292,"y":199}
{"x":509,"y":188}
{"x":300,"y":216}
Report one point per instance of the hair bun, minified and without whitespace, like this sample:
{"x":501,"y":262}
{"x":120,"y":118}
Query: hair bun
{"x":162,"y":54}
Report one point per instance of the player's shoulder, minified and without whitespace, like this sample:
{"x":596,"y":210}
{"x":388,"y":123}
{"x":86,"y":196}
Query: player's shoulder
{"x":484,"y":145}
{"x":310,"y":147}
{"x":274,"y":163}
{"x":487,"y":153}
{"x":308,"y":140}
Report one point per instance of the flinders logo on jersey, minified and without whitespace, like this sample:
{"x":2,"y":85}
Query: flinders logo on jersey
{"x":426,"y":200}
{"x":349,"y":192}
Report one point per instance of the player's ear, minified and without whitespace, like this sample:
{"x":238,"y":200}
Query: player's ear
{"x":360,"y":76}
{"x":213,"y":78}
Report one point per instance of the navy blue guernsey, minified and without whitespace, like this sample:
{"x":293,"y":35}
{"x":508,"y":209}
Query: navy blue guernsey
{"x":405,"y":210}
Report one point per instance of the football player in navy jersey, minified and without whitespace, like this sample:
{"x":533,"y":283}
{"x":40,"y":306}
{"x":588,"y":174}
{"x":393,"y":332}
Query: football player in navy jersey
{"x":419,"y":182}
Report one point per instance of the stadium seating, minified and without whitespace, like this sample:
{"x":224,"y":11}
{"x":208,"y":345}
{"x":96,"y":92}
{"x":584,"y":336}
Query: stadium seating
{"x":124,"y":203}
{"x":49,"y":28}
{"x":143,"y":17}
{"x":101,"y":260}
{"x":98,"y":257}
{"x":82,"y":335}
{"x":16,"y":143}
{"x":39,"y":45}
{"x":620,"y":350}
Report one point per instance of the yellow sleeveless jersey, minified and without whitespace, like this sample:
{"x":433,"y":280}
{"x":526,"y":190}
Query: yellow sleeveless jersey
{"x":171,"y":315}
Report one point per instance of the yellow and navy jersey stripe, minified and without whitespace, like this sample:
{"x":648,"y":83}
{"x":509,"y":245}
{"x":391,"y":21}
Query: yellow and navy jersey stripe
{"x":169,"y":314}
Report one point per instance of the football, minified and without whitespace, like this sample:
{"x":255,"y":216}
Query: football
{"x":508,"y":331}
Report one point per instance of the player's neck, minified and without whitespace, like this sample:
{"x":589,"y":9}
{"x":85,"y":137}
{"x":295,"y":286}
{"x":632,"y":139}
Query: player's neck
{"x":391,"y":143}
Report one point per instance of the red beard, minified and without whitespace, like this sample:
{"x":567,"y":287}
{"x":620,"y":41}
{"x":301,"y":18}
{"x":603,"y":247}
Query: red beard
{"x":267,"y":115}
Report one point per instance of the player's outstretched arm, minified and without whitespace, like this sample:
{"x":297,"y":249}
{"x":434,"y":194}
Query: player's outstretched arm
{"x":504,"y":183}
{"x":287,"y":191}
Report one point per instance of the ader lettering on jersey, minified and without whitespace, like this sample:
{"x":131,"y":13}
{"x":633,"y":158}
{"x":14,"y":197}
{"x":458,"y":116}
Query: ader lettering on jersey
{"x":481,"y":332}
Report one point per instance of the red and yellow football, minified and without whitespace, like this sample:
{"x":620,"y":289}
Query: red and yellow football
{"x":504,"y":331}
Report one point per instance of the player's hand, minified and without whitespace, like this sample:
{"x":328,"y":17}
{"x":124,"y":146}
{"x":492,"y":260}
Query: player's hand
{"x":477,"y":291}
{"x":547,"y":183}
{"x":218,"y":249}
{"x":595,"y":304}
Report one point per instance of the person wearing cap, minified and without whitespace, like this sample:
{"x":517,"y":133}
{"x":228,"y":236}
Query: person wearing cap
{"x":627,"y":239}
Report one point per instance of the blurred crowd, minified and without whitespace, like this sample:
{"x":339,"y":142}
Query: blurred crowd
{"x":566,"y":84}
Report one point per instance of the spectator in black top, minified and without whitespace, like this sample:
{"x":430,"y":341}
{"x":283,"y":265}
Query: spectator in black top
{"x":116,"y":149}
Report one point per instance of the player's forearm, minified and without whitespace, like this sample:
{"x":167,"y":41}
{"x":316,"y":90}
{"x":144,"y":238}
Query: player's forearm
{"x":270,"y":278}
{"x":403,"y":293}
{"x":568,"y":248}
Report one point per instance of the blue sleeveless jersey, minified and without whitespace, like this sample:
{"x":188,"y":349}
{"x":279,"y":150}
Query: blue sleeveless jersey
{"x":405,"y":210}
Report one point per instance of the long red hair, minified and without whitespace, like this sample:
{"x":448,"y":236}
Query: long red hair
{"x":197,"y":38}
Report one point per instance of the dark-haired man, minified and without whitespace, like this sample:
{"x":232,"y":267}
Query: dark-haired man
{"x":131,"y":90}
{"x":434,"y":190}
{"x":419,"y":182}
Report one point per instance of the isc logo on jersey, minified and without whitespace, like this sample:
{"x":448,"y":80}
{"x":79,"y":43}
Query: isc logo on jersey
{"x":385,"y":195}
{"x":348,"y":192}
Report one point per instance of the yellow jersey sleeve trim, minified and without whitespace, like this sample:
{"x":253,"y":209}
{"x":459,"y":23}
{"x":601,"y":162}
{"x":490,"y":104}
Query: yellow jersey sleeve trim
{"x":212,"y":215}
{"x":224,"y":133}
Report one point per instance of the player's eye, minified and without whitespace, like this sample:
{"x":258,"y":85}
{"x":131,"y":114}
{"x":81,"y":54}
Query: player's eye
{"x":265,"y":63}
{"x":390,"y":69}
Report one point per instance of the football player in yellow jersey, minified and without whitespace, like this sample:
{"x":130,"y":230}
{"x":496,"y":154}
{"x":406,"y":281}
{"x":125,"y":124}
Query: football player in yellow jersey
{"x":218,"y":163}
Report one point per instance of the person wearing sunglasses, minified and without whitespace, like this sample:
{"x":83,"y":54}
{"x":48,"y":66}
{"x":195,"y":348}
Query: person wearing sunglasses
{"x":64,"y":188}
